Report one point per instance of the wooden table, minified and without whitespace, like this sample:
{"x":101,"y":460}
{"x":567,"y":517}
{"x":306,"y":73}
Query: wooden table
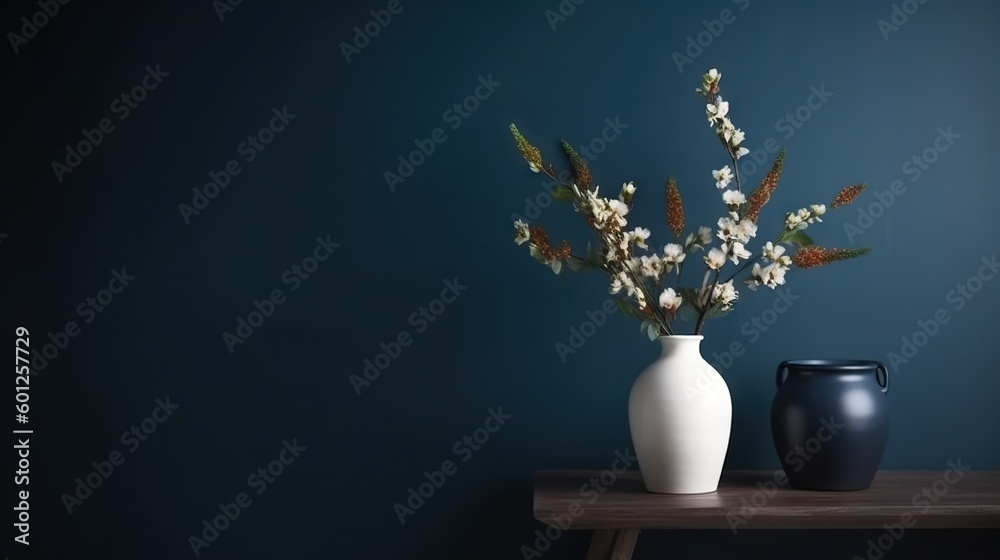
{"x":761,"y":500}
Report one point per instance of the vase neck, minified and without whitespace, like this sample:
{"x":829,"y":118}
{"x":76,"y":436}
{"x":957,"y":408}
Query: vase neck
{"x":680,"y":345}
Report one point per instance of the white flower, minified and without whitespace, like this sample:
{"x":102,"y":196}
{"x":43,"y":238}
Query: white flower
{"x":741,"y":152}
{"x":736,"y":138}
{"x":534,"y":168}
{"x":713,"y":75}
{"x":521,"y":233}
{"x":616,"y":285}
{"x":737,"y":251}
{"x":669,"y":300}
{"x":618,"y":207}
{"x":639,"y":236}
{"x":705,"y":233}
{"x":722,"y":177}
{"x":794,"y":221}
{"x":673,"y":253}
{"x":729,"y":229}
{"x":716,"y":111}
{"x":715,"y":258}
{"x":652,"y":266}
{"x":628,"y":188}
{"x":772,"y":276}
{"x":733,"y":198}
{"x":724,"y":295}
{"x":817,"y":211}
{"x":773,"y":252}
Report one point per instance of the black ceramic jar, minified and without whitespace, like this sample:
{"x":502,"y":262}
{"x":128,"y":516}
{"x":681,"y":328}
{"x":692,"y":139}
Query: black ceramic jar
{"x":830,"y":422}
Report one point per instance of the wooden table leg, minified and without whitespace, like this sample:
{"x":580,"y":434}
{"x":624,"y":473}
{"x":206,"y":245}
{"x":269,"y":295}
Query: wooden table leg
{"x":611,"y":544}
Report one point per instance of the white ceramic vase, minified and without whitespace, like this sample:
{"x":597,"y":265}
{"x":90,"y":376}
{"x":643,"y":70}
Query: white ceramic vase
{"x":680,"y":414}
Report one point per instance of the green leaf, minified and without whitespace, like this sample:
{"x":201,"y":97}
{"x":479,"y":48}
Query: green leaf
{"x":562,"y":192}
{"x":652,"y":331}
{"x":594,"y":256}
{"x":577,"y":264}
{"x":799,"y":238}
{"x":687,"y":313}
{"x":556,"y":266}
{"x":625,"y":308}
{"x":534,"y":252}
{"x":716,"y":312}
{"x":689,"y":297}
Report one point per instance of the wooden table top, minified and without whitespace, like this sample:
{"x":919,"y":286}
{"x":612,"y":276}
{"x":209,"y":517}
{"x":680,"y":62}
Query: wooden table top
{"x":752,"y":500}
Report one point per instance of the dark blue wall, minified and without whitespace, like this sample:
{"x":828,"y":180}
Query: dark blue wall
{"x":323,"y":176}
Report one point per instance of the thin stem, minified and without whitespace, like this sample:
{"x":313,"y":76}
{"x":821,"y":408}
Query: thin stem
{"x":705,"y":307}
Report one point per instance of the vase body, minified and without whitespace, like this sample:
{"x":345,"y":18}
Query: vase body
{"x":680,"y":415}
{"x":830,"y":422}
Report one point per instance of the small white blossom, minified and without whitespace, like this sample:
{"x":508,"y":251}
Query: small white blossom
{"x":793,"y":222}
{"x":736,"y":137}
{"x":618,"y":207}
{"x":673,"y":253}
{"x":724,"y":295}
{"x":669,"y":300}
{"x":736,"y":252}
{"x":741,"y":152}
{"x":772,"y":276}
{"x":628,"y":188}
{"x":705,"y":234}
{"x":616,"y":285}
{"x":715,"y":258}
{"x":722,"y":177}
{"x":733,"y":197}
{"x":521,"y":233}
{"x":652,"y":266}
{"x":639,"y":236}
{"x":742,"y":231}
{"x":818,"y":209}
{"x":772,"y":252}
{"x":717,"y":111}
{"x":534,"y":168}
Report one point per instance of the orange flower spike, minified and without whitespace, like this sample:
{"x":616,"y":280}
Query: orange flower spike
{"x":675,"y":208}
{"x":811,"y":257}
{"x":759,"y":197}
{"x":847,"y":195}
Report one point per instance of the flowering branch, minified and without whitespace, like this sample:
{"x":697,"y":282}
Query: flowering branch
{"x":643,"y":277}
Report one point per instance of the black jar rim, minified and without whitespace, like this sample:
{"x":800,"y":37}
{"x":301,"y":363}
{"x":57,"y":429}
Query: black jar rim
{"x":833,"y":365}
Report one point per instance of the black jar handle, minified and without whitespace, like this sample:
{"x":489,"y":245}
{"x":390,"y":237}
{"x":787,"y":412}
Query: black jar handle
{"x":781,"y":368}
{"x":885,"y":371}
